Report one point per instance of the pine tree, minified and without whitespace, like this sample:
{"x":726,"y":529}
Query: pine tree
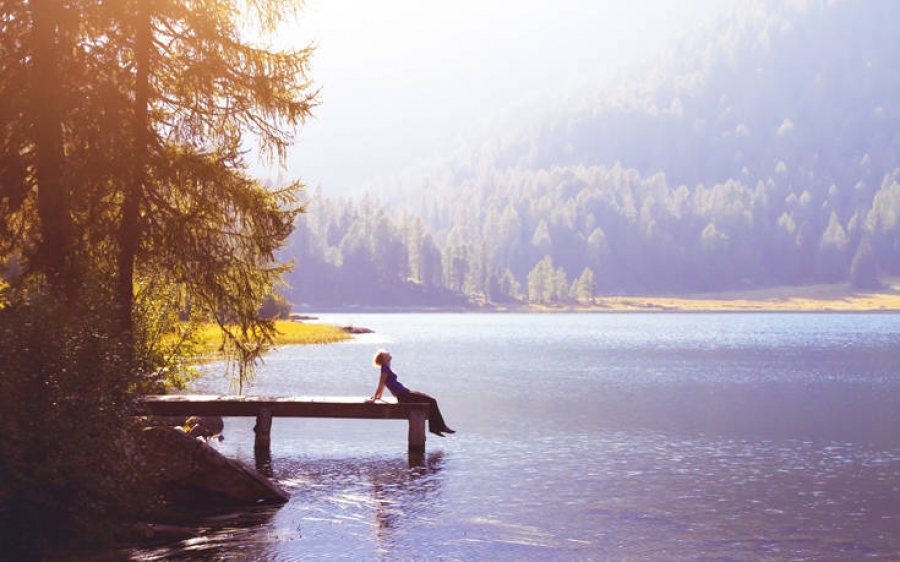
{"x":864,"y":268}
{"x":583,"y":289}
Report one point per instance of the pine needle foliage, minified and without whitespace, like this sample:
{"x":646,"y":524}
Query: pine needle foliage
{"x":127,"y":215}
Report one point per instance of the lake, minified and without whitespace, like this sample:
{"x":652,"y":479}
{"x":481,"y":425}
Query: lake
{"x":584,"y":436}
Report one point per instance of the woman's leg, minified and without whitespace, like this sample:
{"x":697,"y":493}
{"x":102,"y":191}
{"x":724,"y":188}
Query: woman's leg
{"x":435,"y":419}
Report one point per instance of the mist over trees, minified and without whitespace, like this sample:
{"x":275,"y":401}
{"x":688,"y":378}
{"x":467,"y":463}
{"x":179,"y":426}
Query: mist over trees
{"x":764,"y":151}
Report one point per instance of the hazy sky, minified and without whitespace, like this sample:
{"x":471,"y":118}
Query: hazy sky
{"x":402,"y":79}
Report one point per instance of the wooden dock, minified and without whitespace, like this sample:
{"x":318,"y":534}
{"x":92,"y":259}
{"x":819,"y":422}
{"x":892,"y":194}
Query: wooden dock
{"x":265,"y":408}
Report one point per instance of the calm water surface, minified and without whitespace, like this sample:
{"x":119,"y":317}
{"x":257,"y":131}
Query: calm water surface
{"x":609,"y":436}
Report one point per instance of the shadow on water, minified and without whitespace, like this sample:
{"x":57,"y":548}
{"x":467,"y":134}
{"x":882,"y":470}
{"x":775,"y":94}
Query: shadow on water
{"x":371,"y":503}
{"x":198,"y":534}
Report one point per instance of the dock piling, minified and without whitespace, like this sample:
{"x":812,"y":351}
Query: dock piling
{"x":417,"y":432}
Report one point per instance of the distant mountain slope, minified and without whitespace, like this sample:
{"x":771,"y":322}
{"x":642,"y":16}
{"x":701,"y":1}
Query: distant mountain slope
{"x":766,"y":149}
{"x":811,"y":84}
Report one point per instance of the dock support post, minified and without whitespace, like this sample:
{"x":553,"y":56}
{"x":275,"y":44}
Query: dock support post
{"x":417,"y":432}
{"x":262,"y":446}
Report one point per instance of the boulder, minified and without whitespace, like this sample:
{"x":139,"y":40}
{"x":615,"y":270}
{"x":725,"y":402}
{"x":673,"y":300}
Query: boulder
{"x":356,"y":330}
{"x":195,"y":471}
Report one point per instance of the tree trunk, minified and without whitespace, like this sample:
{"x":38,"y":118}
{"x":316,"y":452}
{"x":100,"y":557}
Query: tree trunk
{"x":129,"y":231}
{"x":53,"y":196}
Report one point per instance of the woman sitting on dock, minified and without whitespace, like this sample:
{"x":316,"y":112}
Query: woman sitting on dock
{"x":388,"y":379}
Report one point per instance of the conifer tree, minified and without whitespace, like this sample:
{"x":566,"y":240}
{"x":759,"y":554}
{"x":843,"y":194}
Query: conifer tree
{"x":124,"y":201}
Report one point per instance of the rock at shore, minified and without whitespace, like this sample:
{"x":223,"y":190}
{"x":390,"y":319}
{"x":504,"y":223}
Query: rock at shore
{"x":356,"y":330}
{"x":195,"y":471}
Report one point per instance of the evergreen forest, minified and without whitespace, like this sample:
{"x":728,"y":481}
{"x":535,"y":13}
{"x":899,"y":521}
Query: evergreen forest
{"x":764,"y":151}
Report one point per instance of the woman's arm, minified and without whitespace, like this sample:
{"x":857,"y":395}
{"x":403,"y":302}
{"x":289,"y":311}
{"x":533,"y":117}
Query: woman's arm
{"x":380,"y":390}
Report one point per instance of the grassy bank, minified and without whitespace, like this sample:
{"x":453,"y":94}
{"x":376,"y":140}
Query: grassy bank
{"x":837,"y":297}
{"x":289,"y":333}
{"x":301,"y":333}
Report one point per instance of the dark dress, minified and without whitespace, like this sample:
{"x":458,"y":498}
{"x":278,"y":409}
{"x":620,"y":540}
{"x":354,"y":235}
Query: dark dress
{"x":435,"y":419}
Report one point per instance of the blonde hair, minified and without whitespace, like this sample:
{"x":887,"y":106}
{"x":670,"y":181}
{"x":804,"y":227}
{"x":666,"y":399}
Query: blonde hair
{"x":378,"y":360}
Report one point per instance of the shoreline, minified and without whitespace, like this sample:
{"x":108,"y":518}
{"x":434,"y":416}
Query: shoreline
{"x":821,"y":298}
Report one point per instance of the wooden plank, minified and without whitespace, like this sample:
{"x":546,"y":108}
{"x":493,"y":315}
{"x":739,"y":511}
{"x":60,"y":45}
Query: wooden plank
{"x":293,"y":406}
{"x":265,"y":408}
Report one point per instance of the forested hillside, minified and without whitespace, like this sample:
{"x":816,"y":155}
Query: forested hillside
{"x":764,"y":151}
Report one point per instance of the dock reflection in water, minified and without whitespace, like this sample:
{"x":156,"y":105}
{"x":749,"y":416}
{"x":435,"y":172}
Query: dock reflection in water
{"x":365,"y":504}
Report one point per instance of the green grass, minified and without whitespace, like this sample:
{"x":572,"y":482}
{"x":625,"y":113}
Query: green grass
{"x":290,"y":333}
{"x":209,"y":338}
